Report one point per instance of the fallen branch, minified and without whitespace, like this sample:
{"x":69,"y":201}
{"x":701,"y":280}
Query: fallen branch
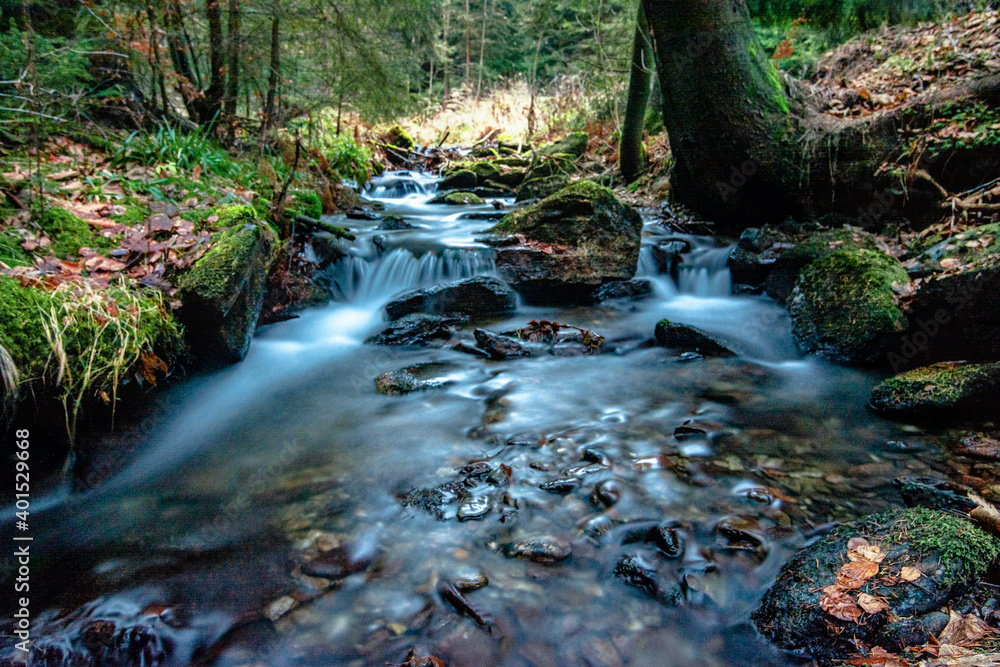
{"x":336,"y":230}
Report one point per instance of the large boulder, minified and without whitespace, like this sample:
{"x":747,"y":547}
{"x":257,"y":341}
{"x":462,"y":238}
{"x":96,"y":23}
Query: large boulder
{"x":575,"y":144}
{"x":947,"y":389}
{"x":566,"y":246}
{"x":541,"y":187}
{"x":956,"y":314}
{"x":789,"y":262}
{"x":474,"y":297}
{"x":221,"y":296}
{"x":914,"y":561}
{"x":844,"y":306}
{"x":459,"y":198}
{"x":459,"y":179}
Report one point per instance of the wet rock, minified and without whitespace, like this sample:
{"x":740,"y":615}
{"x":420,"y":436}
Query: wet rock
{"x":560,"y":486}
{"x":752,"y":258}
{"x":844,"y":306}
{"x":460,"y":198}
{"x":500,"y":347}
{"x":689,"y":357}
{"x":670,"y":540}
{"x":461,"y":179}
{"x":741,"y":534}
{"x":326,"y":250}
{"x":416,"y":329}
{"x":493,"y":190}
{"x":362,"y":214}
{"x":934,"y":494}
{"x":437,"y":499}
{"x":476,"y":507}
{"x":668,"y":255}
{"x":336,"y":564}
{"x":954,"y":389}
{"x":541,"y":549}
{"x":607,"y":493}
{"x":640,"y":572}
{"x":473,"y":297}
{"x":949,"y":552}
{"x":917,"y":631}
{"x":540,"y":188}
{"x":568,"y":245}
{"x":224,"y":291}
{"x":978,"y":445}
{"x":453,"y":596}
{"x":575,"y":144}
{"x":690,"y":339}
{"x":472,"y":582}
{"x":600,"y":653}
{"x":401,"y":382}
{"x":624,"y":289}
{"x":394,"y":223}
{"x":955,"y":315}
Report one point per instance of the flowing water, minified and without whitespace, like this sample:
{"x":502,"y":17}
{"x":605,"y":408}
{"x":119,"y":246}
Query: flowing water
{"x":260,"y":522}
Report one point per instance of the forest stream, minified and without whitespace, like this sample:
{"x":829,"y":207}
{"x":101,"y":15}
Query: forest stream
{"x":262,"y":518}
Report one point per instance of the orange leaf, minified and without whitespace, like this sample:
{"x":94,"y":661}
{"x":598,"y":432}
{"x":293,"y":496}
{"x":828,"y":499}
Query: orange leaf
{"x":871,"y":604}
{"x":910,"y":574}
{"x":840,"y":605}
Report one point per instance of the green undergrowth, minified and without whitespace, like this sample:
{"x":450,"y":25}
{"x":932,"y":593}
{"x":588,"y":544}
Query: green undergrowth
{"x":69,"y":233}
{"x":81,"y":343}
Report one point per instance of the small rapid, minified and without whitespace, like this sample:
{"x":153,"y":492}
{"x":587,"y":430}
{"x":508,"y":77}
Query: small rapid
{"x":260,"y":519}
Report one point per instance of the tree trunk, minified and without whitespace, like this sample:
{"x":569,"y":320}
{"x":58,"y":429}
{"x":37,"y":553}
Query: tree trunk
{"x":468,"y":45}
{"x":631,"y":155}
{"x":212,"y":103}
{"x":446,"y":65}
{"x":173,"y":20}
{"x":233,"y":84}
{"x":482,"y":52}
{"x":272,"y":79}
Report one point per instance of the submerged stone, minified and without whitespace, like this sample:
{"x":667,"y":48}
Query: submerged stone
{"x":415,"y":329}
{"x":539,"y":549}
{"x":500,"y":347}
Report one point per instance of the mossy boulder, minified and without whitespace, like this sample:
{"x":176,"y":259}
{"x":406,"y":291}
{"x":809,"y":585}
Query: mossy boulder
{"x":964,"y":248}
{"x":458,"y":179}
{"x":540,"y":188}
{"x":458,"y":199}
{"x":844,"y":306}
{"x":398,"y":137}
{"x":307,"y":203}
{"x":790,"y":261}
{"x":574,"y":241}
{"x":946,"y":389}
{"x":223,"y":292}
{"x":948,"y":551}
{"x":575,"y":144}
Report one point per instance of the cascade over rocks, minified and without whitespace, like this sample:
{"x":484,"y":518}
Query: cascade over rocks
{"x":473,"y":297}
{"x":566,"y":246}
{"x":222,"y":294}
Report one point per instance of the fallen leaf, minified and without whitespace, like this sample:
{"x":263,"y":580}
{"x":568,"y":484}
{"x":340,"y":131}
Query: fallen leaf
{"x":855,"y":542}
{"x":910,"y":574}
{"x":855,"y":574}
{"x":160,"y":223}
{"x":871,"y":604}
{"x":949,"y":263}
{"x":104,"y":264}
{"x":871,"y":553}
{"x":964,"y":630}
{"x":839,"y":604}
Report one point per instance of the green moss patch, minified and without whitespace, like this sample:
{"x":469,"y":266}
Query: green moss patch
{"x":931,"y":390}
{"x":968,"y":246}
{"x":844,"y":306}
{"x":69,"y":233}
{"x":307,"y":203}
{"x":77,"y":342}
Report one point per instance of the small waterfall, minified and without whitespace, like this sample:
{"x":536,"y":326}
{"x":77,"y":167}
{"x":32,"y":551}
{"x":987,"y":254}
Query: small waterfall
{"x":395,"y":185}
{"x":701,"y":272}
{"x":359,"y":280}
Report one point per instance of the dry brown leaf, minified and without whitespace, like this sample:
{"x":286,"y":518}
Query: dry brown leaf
{"x":855,"y":574}
{"x":949,"y":263}
{"x":910,"y":574}
{"x":855,"y":542}
{"x":839,"y":604}
{"x":964,"y":630}
{"x":871,"y":553}
{"x":104,"y":264}
{"x":871,"y":604}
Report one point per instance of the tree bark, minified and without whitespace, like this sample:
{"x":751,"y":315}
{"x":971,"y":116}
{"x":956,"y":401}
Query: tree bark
{"x":211,"y":105}
{"x":173,"y":20}
{"x":157,"y":65}
{"x":272,"y":79}
{"x":468,"y":45}
{"x":482,"y":51}
{"x":233,"y":82}
{"x":631,"y":154}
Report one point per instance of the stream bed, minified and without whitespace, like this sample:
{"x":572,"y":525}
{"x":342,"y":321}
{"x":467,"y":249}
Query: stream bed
{"x":268,"y":517}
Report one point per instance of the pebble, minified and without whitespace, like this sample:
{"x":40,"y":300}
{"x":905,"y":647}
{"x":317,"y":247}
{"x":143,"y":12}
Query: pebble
{"x":542,"y":549}
{"x":475,"y":508}
{"x":562,"y":486}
